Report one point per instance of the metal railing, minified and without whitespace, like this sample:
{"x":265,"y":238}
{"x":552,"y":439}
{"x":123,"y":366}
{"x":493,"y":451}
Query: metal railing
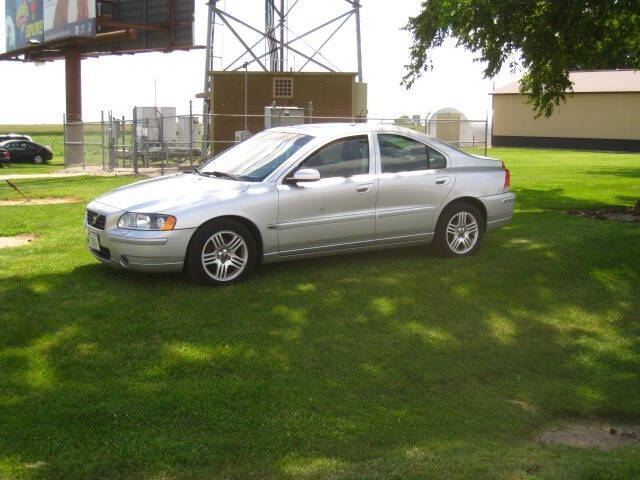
{"x":162,"y":144}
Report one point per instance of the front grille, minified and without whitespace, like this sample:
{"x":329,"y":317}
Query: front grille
{"x":96,"y":220}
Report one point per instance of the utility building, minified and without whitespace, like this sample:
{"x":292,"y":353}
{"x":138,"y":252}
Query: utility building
{"x":303,"y":97}
{"x":603,"y":113}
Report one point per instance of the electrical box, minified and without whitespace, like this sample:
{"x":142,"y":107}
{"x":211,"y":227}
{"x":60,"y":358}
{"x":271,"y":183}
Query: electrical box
{"x":183,"y":130}
{"x":242,"y":135}
{"x":156,"y":122}
{"x":276,"y":116}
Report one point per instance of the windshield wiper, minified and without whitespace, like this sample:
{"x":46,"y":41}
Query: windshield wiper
{"x":219,"y":175}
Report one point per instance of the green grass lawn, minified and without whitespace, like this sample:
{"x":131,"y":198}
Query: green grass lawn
{"x":395,"y":364}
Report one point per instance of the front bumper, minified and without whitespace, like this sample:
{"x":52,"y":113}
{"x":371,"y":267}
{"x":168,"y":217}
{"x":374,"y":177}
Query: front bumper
{"x":139,"y":250}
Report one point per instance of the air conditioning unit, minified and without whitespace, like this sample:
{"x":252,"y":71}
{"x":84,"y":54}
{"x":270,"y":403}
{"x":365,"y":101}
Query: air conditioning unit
{"x":275,"y":116}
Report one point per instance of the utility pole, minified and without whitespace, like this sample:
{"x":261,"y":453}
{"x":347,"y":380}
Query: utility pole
{"x":282,"y":35}
{"x":206,"y":104}
{"x":356,"y":6}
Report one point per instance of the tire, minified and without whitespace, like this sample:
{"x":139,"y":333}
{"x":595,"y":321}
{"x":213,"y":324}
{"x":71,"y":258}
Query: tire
{"x":221,"y":252}
{"x":38,"y":159}
{"x":460,"y":230}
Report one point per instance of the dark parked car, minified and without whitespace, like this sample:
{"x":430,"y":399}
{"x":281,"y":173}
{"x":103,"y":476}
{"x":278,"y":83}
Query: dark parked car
{"x":5,"y":157}
{"x":25,"y":151}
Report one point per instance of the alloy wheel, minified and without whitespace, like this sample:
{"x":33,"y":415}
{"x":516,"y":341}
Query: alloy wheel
{"x":462,"y":232}
{"x":224,"y":255}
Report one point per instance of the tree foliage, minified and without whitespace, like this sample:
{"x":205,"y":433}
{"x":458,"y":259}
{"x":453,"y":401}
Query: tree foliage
{"x":551,"y":38}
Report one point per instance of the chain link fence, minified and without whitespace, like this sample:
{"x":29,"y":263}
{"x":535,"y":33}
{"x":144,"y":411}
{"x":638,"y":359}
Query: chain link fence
{"x":159,"y":144}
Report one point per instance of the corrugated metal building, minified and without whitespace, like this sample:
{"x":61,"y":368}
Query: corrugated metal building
{"x":603,"y":113}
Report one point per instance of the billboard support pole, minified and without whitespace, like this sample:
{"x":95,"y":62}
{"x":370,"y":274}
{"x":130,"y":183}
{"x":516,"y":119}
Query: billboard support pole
{"x":74,"y":152}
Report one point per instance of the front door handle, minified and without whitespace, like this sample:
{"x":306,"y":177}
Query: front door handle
{"x":443,"y":180}
{"x":364,"y":188}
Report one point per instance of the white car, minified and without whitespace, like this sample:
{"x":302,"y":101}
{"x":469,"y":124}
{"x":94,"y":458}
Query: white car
{"x":298,"y":192}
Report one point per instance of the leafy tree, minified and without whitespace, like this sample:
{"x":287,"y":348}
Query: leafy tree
{"x":551,"y":37}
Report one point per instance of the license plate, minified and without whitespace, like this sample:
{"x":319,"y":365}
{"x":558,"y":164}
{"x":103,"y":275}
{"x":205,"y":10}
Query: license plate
{"x":94,"y":242}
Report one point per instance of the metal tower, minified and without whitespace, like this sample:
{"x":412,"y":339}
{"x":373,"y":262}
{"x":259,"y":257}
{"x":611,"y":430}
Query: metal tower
{"x":276,"y":19}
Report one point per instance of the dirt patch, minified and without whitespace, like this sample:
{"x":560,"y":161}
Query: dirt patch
{"x":38,"y":201}
{"x":17,"y":240}
{"x":592,"y":435}
{"x":617,"y":214}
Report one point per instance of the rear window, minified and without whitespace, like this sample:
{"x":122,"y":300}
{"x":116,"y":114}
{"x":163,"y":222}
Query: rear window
{"x":402,"y":154}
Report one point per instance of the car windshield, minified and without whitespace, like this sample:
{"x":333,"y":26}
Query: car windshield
{"x":256,"y":158}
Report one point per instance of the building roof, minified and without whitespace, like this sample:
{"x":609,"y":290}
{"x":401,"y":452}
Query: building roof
{"x":592,"y":81}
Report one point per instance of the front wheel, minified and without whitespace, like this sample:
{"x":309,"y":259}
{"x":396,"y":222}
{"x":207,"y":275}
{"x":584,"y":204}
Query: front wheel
{"x":460,"y":230}
{"x":222,"y":252}
{"x":38,"y":160}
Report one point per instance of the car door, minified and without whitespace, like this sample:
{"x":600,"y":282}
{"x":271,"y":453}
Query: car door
{"x":414,"y":181}
{"x":31,"y":150}
{"x":16,"y":150}
{"x":336,"y":210}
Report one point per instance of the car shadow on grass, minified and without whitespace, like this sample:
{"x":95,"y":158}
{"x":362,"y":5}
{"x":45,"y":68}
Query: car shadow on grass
{"x":375,"y":364}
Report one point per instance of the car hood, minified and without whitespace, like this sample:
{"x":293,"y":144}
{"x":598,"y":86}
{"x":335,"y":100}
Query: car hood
{"x":167,"y":194}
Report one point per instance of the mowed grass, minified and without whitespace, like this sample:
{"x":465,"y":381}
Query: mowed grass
{"x":394,"y":364}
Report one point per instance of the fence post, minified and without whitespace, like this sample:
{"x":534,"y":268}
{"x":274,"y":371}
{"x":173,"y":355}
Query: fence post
{"x":190,"y":133}
{"x":162,"y":148}
{"x":102,"y":137}
{"x":486,"y":132}
{"x":146,"y":143}
{"x":123,"y":136}
{"x":134,"y":134}
{"x":64,"y":138}
{"x":82,"y":145}
{"x":310,"y":112}
{"x":207,"y":121}
{"x":112,"y":159}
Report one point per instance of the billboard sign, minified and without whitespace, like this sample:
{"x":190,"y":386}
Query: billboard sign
{"x":69,"y":18}
{"x":54,"y":24}
{"x":24,"y":23}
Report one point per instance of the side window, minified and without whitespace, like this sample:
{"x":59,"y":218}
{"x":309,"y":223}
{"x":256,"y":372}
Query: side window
{"x":402,"y":154}
{"x":342,"y":158}
{"x":436,"y":159}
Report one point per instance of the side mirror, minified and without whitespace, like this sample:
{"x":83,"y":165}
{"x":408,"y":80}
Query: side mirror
{"x":305,"y":175}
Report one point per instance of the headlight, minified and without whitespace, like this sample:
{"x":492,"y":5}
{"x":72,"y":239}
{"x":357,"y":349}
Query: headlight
{"x":147,"y":221}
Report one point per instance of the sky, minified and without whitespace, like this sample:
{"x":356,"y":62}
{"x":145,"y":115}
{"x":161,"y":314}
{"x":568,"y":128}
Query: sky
{"x":35,"y":93}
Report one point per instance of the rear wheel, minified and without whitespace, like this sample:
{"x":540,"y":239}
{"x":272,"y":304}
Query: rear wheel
{"x":38,"y":159}
{"x":460,"y":230}
{"x":222,"y":252}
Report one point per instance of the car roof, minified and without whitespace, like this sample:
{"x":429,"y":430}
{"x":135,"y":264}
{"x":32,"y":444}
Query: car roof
{"x":344,"y":129}
{"x":14,"y":135}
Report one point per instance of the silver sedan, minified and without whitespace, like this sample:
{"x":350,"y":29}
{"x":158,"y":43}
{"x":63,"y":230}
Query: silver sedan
{"x":298,"y":192}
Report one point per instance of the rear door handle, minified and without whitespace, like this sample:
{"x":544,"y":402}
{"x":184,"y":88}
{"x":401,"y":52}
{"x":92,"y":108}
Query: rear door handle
{"x":443,"y":180}
{"x":364,"y":188}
